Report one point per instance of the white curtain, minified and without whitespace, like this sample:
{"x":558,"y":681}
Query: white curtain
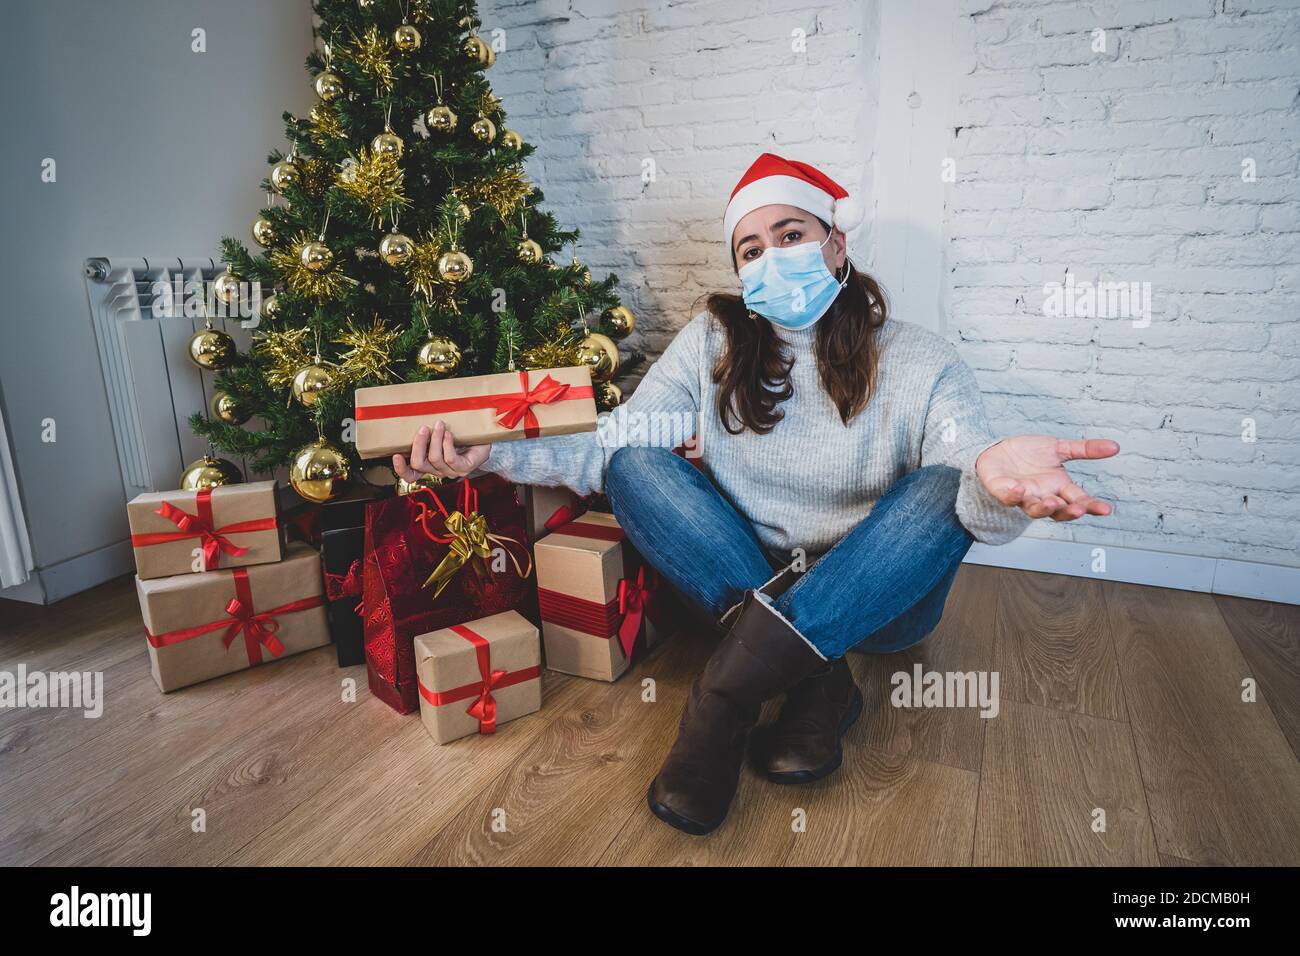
{"x":15,"y":548}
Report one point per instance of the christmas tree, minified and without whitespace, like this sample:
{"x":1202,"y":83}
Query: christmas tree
{"x":401,"y":241}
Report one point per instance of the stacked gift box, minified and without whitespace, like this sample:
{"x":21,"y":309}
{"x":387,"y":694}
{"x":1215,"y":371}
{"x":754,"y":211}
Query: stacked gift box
{"x":218,"y":590}
{"x":599,"y":601}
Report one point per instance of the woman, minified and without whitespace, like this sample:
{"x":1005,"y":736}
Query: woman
{"x":834,"y":439}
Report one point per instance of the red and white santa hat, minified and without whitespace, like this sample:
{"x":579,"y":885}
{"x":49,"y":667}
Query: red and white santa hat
{"x":773,"y":180}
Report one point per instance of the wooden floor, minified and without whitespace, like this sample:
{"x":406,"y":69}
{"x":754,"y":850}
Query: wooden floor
{"x":1114,"y":697}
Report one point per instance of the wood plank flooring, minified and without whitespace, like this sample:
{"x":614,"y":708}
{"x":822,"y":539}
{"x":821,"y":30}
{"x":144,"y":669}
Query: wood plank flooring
{"x":1122,"y":736}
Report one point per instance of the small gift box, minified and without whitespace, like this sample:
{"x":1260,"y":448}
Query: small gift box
{"x":201,"y":626}
{"x":181,"y":532}
{"x":474,"y":677}
{"x":478,"y":409}
{"x":596,"y":597}
{"x":549,"y":508}
{"x":424,"y":569}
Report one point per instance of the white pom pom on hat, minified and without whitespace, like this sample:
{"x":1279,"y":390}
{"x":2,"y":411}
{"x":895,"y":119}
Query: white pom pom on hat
{"x":774,"y":180}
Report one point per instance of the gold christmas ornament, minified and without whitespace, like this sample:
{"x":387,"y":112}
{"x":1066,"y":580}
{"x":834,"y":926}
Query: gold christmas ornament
{"x":609,"y":396}
{"x":263,"y":232}
{"x":528,"y":252}
{"x":210,"y":472}
{"x":286,"y":351}
{"x":375,"y":180}
{"x":422,"y":273}
{"x":316,"y":284}
{"x":455,"y":266}
{"x":319,"y":471}
{"x":310,"y":382}
{"x":370,"y":351}
{"x":316,"y":256}
{"x":388,"y":142}
{"x":599,"y":354}
{"x":511,"y":140}
{"x":440,"y":119}
{"x":396,"y":249}
{"x":439,"y":355}
{"x":211,"y":349}
{"x":484,"y":129}
{"x":225,"y":408}
{"x":406,"y":38}
{"x":226,"y":286}
{"x":329,"y":86}
{"x":621,"y":320}
{"x":270,"y":307}
{"x":404,"y":487}
{"x":475,"y":50}
{"x":284,"y":174}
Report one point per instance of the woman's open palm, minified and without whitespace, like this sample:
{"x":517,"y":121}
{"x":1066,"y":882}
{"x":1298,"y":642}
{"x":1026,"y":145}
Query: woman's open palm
{"x":1028,"y":471}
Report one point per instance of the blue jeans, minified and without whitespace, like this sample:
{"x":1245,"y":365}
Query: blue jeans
{"x":880,"y":589}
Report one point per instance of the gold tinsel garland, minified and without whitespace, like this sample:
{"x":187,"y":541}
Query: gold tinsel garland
{"x":375,"y":180}
{"x":325,"y":124}
{"x":371,"y":351}
{"x":315,"y":176}
{"x":287,"y":351}
{"x":559,"y":351}
{"x":422,"y":273}
{"x":310,"y":284}
{"x":374,"y":54}
{"x":503,"y":190}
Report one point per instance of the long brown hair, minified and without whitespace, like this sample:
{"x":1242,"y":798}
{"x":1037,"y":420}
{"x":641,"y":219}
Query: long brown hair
{"x":753,"y":374}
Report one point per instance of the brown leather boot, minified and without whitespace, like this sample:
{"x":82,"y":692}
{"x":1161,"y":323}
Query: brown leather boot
{"x":804,"y":743}
{"x":761,"y":656}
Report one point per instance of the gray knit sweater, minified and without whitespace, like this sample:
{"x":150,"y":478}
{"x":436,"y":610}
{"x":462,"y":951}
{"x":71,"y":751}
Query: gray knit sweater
{"x":811,"y":479}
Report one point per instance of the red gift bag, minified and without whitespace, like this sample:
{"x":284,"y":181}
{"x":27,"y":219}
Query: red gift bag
{"x":436,"y":537}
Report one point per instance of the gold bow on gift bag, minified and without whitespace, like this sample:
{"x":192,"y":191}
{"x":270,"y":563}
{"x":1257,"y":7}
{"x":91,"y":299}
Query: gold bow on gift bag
{"x":467,"y":538}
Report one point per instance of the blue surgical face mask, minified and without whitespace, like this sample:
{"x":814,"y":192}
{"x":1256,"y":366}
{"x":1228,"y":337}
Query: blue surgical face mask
{"x":790,"y":285}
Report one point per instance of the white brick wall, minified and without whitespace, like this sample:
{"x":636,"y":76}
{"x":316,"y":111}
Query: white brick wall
{"x":698,"y":87}
{"x":1123,"y":164}
{"x":1126,"y":164}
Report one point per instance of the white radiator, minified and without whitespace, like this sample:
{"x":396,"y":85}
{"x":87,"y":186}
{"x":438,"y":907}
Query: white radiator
{"x":151,"y":385}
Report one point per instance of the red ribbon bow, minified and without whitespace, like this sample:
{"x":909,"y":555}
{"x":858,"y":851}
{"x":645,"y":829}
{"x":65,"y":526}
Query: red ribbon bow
{"x":338,"y":586}
{"x":201,"y":526}
{"x":520,"y":407}
{"x":635,"y":600}
{"x":258,"y":628}
{"x":484,"y":706}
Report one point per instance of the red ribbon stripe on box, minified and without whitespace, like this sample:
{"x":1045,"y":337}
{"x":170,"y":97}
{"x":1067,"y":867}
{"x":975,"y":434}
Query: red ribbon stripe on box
{"x":200,"y":525}
{"x":258,"y":627}
{"x":511,"y":407}
{"x":622,"y":615}
{"x":484,"y":706}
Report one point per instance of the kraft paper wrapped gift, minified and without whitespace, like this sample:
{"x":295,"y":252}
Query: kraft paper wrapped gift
{"x":233,"y":526}
{"x":596,"y":598}
{"x":478,"y":410}
{"x":201,"y":626}
{"x":474,"y":677}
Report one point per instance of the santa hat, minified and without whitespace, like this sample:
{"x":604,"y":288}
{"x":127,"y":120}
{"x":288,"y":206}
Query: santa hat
{"x":776,"y":181}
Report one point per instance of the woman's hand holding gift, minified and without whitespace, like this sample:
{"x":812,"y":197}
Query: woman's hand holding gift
{"x":434,"y":452}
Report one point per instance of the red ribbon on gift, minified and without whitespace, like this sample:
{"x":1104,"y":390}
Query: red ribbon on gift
{"x":339,"y":586}
{"x":200,"y":526}
{"x":484,"y":706}
{"x":511,"y":407}
{"x":258,"y":627}
{"x":596,"y":532}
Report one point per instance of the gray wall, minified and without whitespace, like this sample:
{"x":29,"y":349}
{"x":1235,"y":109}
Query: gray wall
{"x":160,"y":151}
